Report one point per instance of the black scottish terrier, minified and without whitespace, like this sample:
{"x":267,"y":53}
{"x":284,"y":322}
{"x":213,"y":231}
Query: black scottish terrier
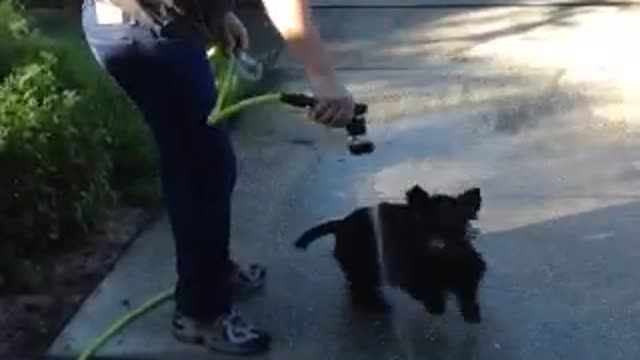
{"x":424,"y":248}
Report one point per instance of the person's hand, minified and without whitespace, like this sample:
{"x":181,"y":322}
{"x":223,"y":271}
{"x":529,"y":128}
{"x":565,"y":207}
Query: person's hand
{"x":236,"y":36}
{"x":335,"y":105}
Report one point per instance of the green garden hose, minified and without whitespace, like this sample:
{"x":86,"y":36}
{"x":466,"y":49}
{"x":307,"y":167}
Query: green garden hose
{"x":239,"y":72}
{"x":124,"y":321}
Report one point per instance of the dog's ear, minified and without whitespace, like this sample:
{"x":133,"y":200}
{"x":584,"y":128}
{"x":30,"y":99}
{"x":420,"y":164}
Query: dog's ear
{"x":470,"y":201}
{"x":416,"y":196}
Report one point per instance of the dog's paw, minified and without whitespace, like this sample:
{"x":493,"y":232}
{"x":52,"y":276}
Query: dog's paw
{"x":372,"y":307}
{"x":435,"y":306}
{"x":472,"y":319}
{"x":435,"y":311}
{"x":370,"y":302}
{"x":471,"y":314}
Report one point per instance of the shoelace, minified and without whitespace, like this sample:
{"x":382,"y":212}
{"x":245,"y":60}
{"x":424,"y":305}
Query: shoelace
{"x":235,"y":320}
{"x":237,"y":329}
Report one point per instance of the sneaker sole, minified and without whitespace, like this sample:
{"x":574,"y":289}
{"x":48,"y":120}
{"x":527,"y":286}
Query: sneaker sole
{"x":221,"y":347}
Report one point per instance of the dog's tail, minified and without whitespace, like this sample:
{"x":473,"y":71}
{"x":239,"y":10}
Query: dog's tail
{"x":309,"y":236}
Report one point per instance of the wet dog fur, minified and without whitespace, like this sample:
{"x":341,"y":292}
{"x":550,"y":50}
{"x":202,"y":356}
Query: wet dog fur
{"x":427,"y":246}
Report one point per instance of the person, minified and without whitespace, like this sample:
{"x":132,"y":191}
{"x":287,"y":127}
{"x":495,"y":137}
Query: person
{"x":156,"y":52}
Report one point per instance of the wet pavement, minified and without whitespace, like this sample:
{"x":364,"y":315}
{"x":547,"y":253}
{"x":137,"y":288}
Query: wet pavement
{"x":538,"y":107}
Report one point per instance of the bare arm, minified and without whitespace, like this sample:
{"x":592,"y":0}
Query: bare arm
{"x":293,"y":21}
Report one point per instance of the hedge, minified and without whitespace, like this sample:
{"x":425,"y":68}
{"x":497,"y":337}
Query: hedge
{"x":72,"y":146}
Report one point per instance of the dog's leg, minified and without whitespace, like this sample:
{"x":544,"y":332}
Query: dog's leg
{"x":368,"y":298}
{"x":364,"y":284}
{"x":363,"y":279}
{"x":435,"y":303}
{"x":468,"y":303}
{"x":356,"y":253}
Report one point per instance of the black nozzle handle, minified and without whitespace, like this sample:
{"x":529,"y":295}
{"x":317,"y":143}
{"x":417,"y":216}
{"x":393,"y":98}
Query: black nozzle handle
{"x":302,"y":100}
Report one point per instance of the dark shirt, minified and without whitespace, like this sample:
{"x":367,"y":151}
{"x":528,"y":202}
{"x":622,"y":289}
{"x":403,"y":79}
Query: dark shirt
{"x":200,"y":19}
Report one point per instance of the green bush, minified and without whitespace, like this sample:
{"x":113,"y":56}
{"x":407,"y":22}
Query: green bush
{"x":71,"y":144}
{"x":134,"y":170}
{"x":14,"y":29}
{"x":54,"y":162}
{"x":67,"y":4}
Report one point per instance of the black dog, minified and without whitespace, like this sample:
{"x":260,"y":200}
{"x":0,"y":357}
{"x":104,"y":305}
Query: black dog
{"x":424,"y":249}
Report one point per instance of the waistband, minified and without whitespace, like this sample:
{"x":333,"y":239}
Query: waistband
{"x":171,"y":28}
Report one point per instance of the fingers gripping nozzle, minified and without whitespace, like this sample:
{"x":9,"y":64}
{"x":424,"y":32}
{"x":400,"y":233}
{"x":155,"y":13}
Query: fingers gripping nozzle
{"x":358,"y":143}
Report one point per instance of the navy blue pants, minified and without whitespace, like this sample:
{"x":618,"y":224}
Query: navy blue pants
{"x":171,"y":82}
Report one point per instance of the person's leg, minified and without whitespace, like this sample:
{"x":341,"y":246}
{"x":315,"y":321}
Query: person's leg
{"x":137,"y":65}
{"x":212,"y":168}
{"x":170,"y":84}
{"x":215,"y":164}
{"x":203,"y":260}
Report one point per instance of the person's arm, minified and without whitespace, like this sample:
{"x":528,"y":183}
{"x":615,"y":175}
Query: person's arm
{"x":293,"y":21}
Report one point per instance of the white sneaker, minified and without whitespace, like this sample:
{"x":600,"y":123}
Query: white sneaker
{"x":229,"y":333}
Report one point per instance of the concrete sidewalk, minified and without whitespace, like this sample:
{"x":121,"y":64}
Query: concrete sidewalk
{"x":539,"y":107}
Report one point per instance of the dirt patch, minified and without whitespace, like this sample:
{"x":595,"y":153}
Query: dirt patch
{"x":30,"y":320}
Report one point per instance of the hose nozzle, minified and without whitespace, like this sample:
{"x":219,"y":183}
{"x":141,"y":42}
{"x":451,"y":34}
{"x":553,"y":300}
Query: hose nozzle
{"x":358,"y":143}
